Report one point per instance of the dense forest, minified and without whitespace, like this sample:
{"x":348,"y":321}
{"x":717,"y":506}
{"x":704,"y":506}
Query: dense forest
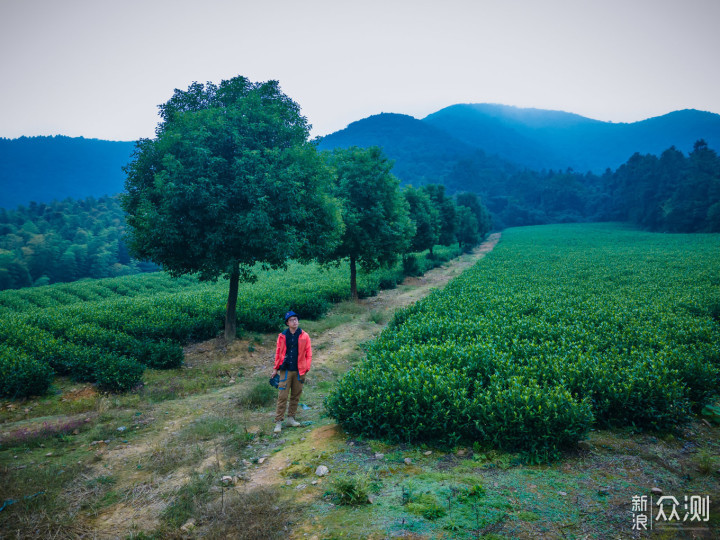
{"x":64,"y":241}
{"x":670,"y":193}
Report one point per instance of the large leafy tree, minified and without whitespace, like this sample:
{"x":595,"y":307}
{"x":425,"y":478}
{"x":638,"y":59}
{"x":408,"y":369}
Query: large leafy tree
{"x":377,"y":226}
{"x":229,"y":182}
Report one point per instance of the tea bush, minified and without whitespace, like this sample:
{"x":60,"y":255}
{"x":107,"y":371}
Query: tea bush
{"x":118,"y":374}
{"x":21,"y":375}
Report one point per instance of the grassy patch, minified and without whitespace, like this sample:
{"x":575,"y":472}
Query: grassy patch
{"x":209,"y":427}
{"x":378,"y":316}
{"x":351,"y":490}
{"x":260,"y":513}
{"x":706,"y":463}
{"x":164,"y":458}
{"x":426,"y":505}
{"x":260,"y":394}
{"x":44,"y":503}
{"x":185,"y":502}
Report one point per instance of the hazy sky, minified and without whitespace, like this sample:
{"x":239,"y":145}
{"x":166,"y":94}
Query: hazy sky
{"x":99,"y":68}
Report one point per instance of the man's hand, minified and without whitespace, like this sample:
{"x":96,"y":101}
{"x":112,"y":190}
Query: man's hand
{"x":275,"y":372}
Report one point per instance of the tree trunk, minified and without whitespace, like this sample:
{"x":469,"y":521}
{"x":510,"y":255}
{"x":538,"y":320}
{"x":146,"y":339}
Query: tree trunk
{"x":353,"y":279}
{"x":231,"y":311}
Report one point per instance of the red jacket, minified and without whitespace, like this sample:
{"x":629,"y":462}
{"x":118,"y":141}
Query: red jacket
{"x":304,"y":352}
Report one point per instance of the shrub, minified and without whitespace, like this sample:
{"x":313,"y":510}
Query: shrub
{"x":533,"y":344}
{"x":260,"y":395}
{"x":411,"y":266}
{"x":148,"y":317}
{"x":118,"y":373}
{"x":426,"y":505}
{"x":519,"y":415}
{"x":163,"y":355}
{"x":21,"y":375}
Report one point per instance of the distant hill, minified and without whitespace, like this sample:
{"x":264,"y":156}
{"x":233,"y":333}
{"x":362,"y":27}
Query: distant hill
{"x":542,"y":139}
{"x":529,"y":138}
{"x":43,"y":169}
{"x":419,"y":149}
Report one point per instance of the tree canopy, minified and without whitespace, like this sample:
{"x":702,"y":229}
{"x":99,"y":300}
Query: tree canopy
{"x":64,"y":241}
{"x":473,"y":203}
{"x":230,"y":181}
{"x":426,"y":218}
{"x":448,"y":212}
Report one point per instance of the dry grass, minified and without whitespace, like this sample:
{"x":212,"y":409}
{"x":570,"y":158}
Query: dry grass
{"x":258,"y":514}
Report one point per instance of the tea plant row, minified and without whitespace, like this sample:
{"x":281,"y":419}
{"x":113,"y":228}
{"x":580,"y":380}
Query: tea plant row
{"x":559,"y":329}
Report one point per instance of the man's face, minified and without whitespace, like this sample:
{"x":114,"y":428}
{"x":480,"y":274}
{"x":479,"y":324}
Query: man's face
{"x":292,"y":323}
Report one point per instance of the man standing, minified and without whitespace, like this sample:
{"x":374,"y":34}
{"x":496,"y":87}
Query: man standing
{"x":293,"y":356}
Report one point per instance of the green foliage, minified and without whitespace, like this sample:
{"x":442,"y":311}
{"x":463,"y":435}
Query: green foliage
{"x":118,"y":374}
{"x":467,"y":231}
{"x":410,"y":265}
{"x":447,"y":212}
{"x":426,"y":218}
{"x":21,"y":375}
{"x":518,"y":414}
{"x":164,"y":354}
{"x":472,"y":201}
{"x":68,"y":327}
{"x":260,"y":395}
{"x":670,"y":193}
{"x":536,"y":342}
{"x":351,"y":490}
{"x":426,"y":505}
{"x":64,"y":241}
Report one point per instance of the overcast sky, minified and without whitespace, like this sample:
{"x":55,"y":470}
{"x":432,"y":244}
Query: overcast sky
{"x":99,"y":68}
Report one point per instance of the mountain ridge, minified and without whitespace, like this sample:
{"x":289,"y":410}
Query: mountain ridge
{"x":584,"y":144}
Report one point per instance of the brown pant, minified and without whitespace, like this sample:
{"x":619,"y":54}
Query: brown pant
{"x":289,"y":384}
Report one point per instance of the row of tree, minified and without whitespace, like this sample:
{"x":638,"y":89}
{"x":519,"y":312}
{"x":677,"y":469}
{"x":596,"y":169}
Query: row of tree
{"x":64,"y":241}
{"x":71,"y":239}
{"x":379,"y":221}
{"x":232,"y":180}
